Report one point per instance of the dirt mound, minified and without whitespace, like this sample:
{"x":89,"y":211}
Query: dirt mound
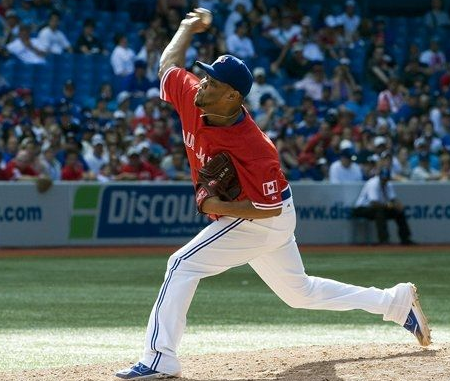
{"x":315,"y":363}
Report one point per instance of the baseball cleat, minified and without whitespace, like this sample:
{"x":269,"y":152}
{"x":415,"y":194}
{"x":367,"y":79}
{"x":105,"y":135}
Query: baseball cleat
{"x":140,"y":371}
{"x":417,"y":322}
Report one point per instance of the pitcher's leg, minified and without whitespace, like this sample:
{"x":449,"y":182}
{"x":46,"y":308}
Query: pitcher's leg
{"x":222,"y":245}
{"x":284,"y":273}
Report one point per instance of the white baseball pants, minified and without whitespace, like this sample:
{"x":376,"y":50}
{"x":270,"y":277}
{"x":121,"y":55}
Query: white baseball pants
{"x":269,"y":246}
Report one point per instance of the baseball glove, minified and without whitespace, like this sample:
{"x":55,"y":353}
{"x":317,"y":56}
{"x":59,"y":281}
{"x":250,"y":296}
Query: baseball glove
{"x":218,"y":177}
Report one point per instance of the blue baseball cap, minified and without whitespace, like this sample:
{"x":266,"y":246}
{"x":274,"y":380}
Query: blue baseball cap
{"x":230,"y":70}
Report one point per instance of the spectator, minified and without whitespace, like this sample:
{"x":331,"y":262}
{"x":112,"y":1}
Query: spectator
{"x":239,"y":44}
{"x":11,"y":28}
{"x":342,"y":84}
{"x":67,"y":103}
{"x":140,"y":170}
{"x":293,"y":61}
{"x":137,"y":83}
{"x":28,"y":15}
{"x":97,"y":157}
{"x":423,"y":151}
{"x":176,"y":167}
{"x":350,"y":20}
{"x":313,"y":83}
{"x":391,"y":99}
{"x":378,"y":201}
{"x":87,"y":42}
{"x":5,"y":6}
{"x":345,"y":170}
{"x":53,"y":39}
{"x":433,"y":58}
{"x":20,"y":168}
{"x":236,"y":16}
{"x":436,"y":18}
{"x":415,"y":71}
{"x":423,"y":171}
{"x":431,"y":138}
{"x":287,"y":32}
{"x":357,"y":105}
{"x":307,"y":168}
{"x":404,"y":166}
{"x":408,"y":109}
{"x":26,"y":49}
{"x":309,"y":126}
{"x":73,"y":169}
{"x":261,"y":87}
{"x":11,"y":149}
{"x":378,"y":70}
{"x":123,"y":104}
{"x":150,"y":54}
{"x":106,"y":93}
{"x":325,"y":103}
{"x":266,"y":114}
{"x":51,"y":167}
{"x":122,"y":57}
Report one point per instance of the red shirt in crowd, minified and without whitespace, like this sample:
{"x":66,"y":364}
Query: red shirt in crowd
{"x":12,"y":172}
{"x":145,"y":171}
{"x":69,"y":173}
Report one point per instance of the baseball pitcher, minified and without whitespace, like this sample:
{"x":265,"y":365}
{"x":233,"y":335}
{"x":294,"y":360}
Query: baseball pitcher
{"x":239,"y":184}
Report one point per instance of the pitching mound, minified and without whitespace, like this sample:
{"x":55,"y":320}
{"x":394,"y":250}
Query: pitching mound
{"x":316,"y":363}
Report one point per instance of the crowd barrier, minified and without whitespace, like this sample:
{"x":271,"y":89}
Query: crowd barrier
{"x":88,"y":214}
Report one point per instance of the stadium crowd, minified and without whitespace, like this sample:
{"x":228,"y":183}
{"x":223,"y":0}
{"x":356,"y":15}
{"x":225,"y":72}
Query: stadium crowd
{"x":340,"y":93}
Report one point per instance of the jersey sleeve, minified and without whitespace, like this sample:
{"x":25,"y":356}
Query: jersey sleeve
{"x":178,"y":87}
{"x":263,"y":184}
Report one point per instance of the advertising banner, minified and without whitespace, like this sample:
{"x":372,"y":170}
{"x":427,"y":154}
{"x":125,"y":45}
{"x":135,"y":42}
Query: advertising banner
{"x":132,"y":214}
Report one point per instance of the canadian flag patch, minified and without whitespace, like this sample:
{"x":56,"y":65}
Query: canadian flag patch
{"x":270,"y":187}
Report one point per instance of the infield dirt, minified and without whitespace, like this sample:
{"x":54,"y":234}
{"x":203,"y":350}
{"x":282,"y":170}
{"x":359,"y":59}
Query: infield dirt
{"x":381,"y":362}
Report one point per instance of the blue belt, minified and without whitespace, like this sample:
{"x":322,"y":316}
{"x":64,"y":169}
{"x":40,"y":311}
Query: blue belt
{"x":286,"y":194}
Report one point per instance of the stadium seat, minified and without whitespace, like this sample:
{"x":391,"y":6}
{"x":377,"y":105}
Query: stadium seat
{"x":24,"y":75}
{"x":8,"y":68}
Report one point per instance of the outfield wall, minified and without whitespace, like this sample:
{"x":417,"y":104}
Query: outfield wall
{"x":136,"y":214}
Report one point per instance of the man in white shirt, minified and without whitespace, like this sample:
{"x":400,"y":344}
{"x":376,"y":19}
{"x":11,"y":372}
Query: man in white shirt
{"x":52,"y":39}
{"x":260,"y":87}
{"x":424,"y":172}
{"x":97,"y":158}
{"x":285,"y":32}
{"x":122,"y":57}
{"x":349,"y":19}
{"x":345,"y":170}
{"x":26,"y":49}
{"x":239,"y":44}
{"x":436,"y":17}
{"x":378,"y":201}
{"x":433,"y":57}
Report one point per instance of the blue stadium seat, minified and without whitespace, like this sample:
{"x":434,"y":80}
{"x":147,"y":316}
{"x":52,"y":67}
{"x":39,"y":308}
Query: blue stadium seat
{"x":121,"y":17}
{"x":8,"y":69}
{"x":104,"y":17}
{"x":24,"y":75}
{"x":42,"y":91}
{"x":83,"y":63}
{"x":63,"y":63}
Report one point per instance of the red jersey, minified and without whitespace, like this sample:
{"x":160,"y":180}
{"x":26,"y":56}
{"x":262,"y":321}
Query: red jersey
{"x":253,"y":154}
{"x":72,"y":173}
{"x":145,"y":171}
{"x":11,"y":172}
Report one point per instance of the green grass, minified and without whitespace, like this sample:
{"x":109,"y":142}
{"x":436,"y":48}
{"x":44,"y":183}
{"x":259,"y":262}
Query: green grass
{"x":96,"y":309}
